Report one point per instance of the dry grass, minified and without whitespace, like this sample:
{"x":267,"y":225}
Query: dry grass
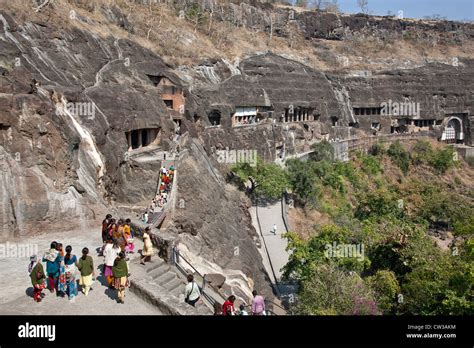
{"x":182,"y":42}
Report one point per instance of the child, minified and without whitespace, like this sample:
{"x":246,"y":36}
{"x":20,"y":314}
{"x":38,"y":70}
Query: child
{"x":86,"y":266}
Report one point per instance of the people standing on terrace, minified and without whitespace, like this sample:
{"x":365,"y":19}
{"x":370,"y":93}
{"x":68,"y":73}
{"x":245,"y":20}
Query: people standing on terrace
{"x":111,"y":252}
{"x":120,"y":272}
{"x":53,"y":260}
{"x":38,"y":277}
{"x":86,"y":266}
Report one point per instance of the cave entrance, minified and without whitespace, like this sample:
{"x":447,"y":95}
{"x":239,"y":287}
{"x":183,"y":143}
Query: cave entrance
{"x":138,"y":138}
{"x":134,"y":140}
{"x":453,"y":133}
{"x":215,"y":118}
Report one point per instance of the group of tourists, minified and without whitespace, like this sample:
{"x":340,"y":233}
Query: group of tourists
{"x":228,"y":307}
{"x":166,"y":180}
{"x":118,"y":239}
{"x":162,"y":195}
{"x":193,"y":295}
{"x":61,"y":272}
{"x":117,"y":232}
{"x":63,"y":267}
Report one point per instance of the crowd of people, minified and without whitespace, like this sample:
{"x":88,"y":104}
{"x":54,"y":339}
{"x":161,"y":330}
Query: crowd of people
{"x":65,"y":272}
{"x":117,"y":232}
{"x":162,"y":195}
{"x":62,"y":269}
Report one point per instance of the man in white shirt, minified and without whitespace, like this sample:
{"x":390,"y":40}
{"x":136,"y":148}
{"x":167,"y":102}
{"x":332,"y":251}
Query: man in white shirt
{"x":191,"y":291}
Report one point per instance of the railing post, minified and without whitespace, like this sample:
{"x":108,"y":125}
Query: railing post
{"x":203,"y":282}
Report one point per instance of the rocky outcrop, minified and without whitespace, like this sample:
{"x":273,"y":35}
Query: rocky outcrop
{"x":214,"y":225}
{"x":64,"y":163}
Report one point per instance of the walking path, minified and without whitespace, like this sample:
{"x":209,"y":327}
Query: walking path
{"x":16,"y":289}
{"x":269,"y":214}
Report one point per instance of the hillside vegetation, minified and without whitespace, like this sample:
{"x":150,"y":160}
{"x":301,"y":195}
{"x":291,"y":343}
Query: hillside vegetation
{"x":409,"y":211}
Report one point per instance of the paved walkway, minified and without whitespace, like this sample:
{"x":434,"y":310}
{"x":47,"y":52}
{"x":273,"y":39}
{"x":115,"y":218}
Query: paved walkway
{"x":16,"y":289}
{"x":268,"y":215}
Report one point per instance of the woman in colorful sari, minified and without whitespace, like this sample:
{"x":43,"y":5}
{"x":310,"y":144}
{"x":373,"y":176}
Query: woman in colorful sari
{"x":120,"y":271}
{"x":62,"y":285}
{"x":127,"y":234}
{"x":53,"y":261}
{"x":111,"y":252}
{"x":37,"y":278}
{"x":112,"y":228}
{"x":118,"y":235}
{"x":70,"y":270}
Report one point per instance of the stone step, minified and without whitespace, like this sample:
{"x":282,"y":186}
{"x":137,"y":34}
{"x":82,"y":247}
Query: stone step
{"x":165,"y":278}
{"x":156,"y":264}
{"x":179,"y":290}
{"x":159,"y":271}
{"x":173,"y":284}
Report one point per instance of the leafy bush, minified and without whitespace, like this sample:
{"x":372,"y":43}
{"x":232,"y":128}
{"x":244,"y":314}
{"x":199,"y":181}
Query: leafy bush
{"x":385,"y":286}
{"x":271,"y":179}
{"x":323,"y":151}
{"x":377,"y":149}
{"x":399,"y":156}
{"x":442,"y":160}
{"x":370,"y":164}
{"x":306,"y":255}
{"x":332,"y":291}
{"x":421,"y":152}
{"x":377,"y":203}
{"x":302,"y":180}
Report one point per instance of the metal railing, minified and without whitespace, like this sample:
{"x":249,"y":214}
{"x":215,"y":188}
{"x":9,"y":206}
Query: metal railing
{"x":176,"y":258}
{"x":211,"y":298}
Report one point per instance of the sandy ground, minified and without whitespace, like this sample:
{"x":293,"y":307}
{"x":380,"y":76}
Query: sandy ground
{"x":16,"y":289}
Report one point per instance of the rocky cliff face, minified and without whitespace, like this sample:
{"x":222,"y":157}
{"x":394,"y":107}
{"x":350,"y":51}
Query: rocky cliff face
{"x":67,"y":99}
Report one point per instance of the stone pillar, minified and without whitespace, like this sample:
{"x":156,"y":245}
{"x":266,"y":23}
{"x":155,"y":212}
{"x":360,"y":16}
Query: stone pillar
{"x":139,"y":138}
{"x":129,"y":140}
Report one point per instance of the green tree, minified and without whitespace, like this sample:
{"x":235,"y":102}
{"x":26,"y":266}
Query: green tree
{"x":385,"y":286}
{"x":302,"y":180}
{"x":271,"y":179}
{"x":442,"y":159}
{"x":421,"y":152}
{"x":331,"y":291}
{"x":399,"y":156}
{"x":323,"y":151}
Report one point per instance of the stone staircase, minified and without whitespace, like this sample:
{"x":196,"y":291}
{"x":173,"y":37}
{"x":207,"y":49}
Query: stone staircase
{"x":161,"y":284}
{"x":161,"y":273}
